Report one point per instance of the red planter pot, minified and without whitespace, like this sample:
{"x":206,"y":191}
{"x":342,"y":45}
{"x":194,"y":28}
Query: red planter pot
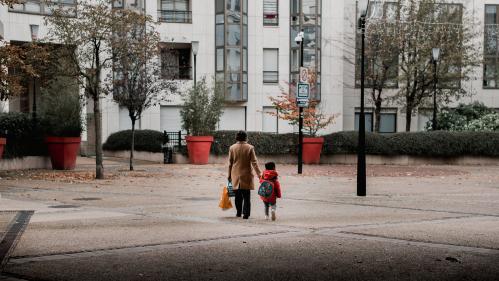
{"x":199,"y":149}
{"x":3,"y":142}
{"x":63,"y":152}
{"x":312,"y":148}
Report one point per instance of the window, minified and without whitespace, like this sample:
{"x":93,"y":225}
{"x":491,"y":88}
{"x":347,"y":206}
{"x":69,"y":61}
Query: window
{"x":424,"y":115}
{"x":306,"y":16}
{"x":270,"y":12}
{"x":176,"y":61}
{"x":231,"y":44}
{"x":369,"y":121}
{"x":491,"y":50}
{"x":44,"y":7}
{"x":387,"y":122}
{"x":270,"y":65}
{"x":174,"y":11}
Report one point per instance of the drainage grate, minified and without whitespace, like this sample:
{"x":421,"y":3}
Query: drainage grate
{"x":14,"y":232}
{"x":87,"y":199}
{"x":64,"y":206}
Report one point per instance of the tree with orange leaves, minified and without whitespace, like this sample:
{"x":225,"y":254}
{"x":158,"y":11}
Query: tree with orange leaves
{"x":314,"y":119}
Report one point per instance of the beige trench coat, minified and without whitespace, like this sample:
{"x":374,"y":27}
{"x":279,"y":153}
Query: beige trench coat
{"x":242,"y":158}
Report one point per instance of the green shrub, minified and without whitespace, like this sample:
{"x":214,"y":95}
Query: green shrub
{"x":265,"y":143}
{"x":433,"y":144}
{"x":145,"y":140}
{"x":474,"y":117}
{"x":60,"y":109}
{"x":24,"y":137}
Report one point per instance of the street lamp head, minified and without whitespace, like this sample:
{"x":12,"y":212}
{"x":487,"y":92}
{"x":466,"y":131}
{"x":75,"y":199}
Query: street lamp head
{"x":34,"y":28}
{"x":299,"y":37}
{"x":195,"y":47}
{"x":435,"y":54}
{"x":363,"y":6}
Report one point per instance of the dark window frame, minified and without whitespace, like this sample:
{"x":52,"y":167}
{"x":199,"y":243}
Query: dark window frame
{"x":489,"y":57}
{"x":184,"y":69}
{"x":276,"y":18}
{"x":175,"y":16}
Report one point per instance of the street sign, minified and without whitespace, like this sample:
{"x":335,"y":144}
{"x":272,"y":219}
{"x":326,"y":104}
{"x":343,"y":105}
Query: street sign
{"x":302,"y":102}
{"x":303,"y":75}
{"x":303,"y":90}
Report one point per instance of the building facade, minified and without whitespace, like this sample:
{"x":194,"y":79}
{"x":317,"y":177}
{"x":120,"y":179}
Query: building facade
{"x":249,"y":46}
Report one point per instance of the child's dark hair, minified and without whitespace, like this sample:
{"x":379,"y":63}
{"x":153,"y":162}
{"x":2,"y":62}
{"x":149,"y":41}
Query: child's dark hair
{"x":270,"y":166}
{"x":241,"y":136}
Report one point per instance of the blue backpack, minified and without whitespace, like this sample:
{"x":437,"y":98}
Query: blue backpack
{"x":266,"y":189}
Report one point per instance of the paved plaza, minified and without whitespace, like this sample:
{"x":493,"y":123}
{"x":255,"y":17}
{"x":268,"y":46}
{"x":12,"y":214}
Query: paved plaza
{"x":162,"y":222}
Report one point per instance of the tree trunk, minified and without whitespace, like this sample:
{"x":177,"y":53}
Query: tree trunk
{"x":408,"y":118}
{"x":133,"y":145}
{"x":99,"y":168}
{"x":377,"y":115}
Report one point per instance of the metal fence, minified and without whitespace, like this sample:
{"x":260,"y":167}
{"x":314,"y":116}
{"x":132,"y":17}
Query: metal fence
{"x":176,"y":140}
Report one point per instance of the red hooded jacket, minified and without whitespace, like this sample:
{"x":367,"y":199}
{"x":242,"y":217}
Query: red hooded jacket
{"x":270,"y":175}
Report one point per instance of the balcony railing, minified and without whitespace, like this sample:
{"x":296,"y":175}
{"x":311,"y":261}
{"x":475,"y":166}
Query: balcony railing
{"x":177,"y":73}
{"x":173,"y":16}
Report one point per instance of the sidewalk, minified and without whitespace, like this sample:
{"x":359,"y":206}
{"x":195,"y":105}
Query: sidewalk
{"x":162,"y":222}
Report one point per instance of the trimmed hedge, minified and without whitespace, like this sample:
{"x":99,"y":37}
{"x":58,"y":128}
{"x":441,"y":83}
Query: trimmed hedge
{"x":24,"y":137}
{"x":145,"y":140}
{"x":432,"y":144}
{"x":265,"y":143}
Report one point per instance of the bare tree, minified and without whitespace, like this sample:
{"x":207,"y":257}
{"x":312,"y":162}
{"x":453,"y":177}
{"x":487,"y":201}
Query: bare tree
{"x":89,"y":32}
{"x":136,"y":81}
{"x":423,"y":25}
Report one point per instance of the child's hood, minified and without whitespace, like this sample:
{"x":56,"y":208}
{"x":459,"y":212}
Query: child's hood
{"x":269,"y":175}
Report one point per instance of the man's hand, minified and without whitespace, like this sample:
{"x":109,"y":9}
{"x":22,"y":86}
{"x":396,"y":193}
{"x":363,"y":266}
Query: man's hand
{"x":229,"y":179}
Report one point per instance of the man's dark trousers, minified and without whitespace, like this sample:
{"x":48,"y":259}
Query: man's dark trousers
{"x":243,"y":202}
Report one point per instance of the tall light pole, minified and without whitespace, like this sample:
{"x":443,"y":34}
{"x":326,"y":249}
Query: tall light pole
{"x":435,"y":57}
{"x":363,"y":6}
{"x":195,"y":49}
{"x":299,"y":40}
{"x":34,"y":28}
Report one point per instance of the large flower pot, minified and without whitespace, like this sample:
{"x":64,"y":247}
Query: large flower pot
{"x":3,"y":141}
{"x":312,"y":148}
{"x":199,"y":149}
{"x":63,"y":152}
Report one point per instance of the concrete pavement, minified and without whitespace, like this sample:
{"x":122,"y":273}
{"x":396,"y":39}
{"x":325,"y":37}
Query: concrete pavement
{"x":163,"y":223}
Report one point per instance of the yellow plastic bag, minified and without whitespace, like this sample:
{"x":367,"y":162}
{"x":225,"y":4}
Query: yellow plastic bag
{"x":225,"y":203}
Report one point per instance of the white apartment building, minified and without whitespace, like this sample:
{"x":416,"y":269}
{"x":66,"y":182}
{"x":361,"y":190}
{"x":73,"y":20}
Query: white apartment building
{"x":250,"y":45}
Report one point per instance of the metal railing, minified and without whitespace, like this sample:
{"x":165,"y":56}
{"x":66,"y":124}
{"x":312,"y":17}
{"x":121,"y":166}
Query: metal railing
{"x":173,"y":16}
{"x":175,"y":140}
{"x":177,"y":73}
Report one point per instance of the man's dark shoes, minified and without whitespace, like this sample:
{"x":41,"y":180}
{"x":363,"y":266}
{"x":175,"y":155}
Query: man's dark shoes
{"x":238,"y":215}
{"x":246,"y":217}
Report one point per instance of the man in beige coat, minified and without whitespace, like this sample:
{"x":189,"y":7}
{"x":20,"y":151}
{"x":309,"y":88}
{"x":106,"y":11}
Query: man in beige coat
{"x":242,"y":159}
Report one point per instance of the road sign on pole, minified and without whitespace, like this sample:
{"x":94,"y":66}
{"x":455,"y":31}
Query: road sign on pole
{"x":303,"y":75}
{"x":303,"y":94}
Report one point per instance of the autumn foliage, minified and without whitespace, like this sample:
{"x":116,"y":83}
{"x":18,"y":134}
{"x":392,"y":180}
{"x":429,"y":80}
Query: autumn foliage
{"x":313,"y":118}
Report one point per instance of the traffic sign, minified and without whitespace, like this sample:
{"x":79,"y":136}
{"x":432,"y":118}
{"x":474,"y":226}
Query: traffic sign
{"x":303,"y":90}
{"x":302,"y":102}
{"x":303,"y":75}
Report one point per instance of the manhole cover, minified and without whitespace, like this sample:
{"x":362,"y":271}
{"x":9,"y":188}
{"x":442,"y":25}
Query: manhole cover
{"x":64,"y":206}
{"x":199,"y":199}
{"x":87,"y":199}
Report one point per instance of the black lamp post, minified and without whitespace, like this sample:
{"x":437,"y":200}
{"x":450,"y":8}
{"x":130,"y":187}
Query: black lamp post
{"x":299,"y":40}
{"x":435,"y":57}
{"x":363,"y":6}
{"x":195,"y":48}
{"x":34,"y":36}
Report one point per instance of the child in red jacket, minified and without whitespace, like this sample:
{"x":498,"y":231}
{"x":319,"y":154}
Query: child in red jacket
{"x":270,"y":175}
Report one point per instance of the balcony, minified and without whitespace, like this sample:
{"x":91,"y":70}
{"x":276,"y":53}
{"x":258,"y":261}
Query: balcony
{"x":177,"y":73}
{"x":172,"y":16}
